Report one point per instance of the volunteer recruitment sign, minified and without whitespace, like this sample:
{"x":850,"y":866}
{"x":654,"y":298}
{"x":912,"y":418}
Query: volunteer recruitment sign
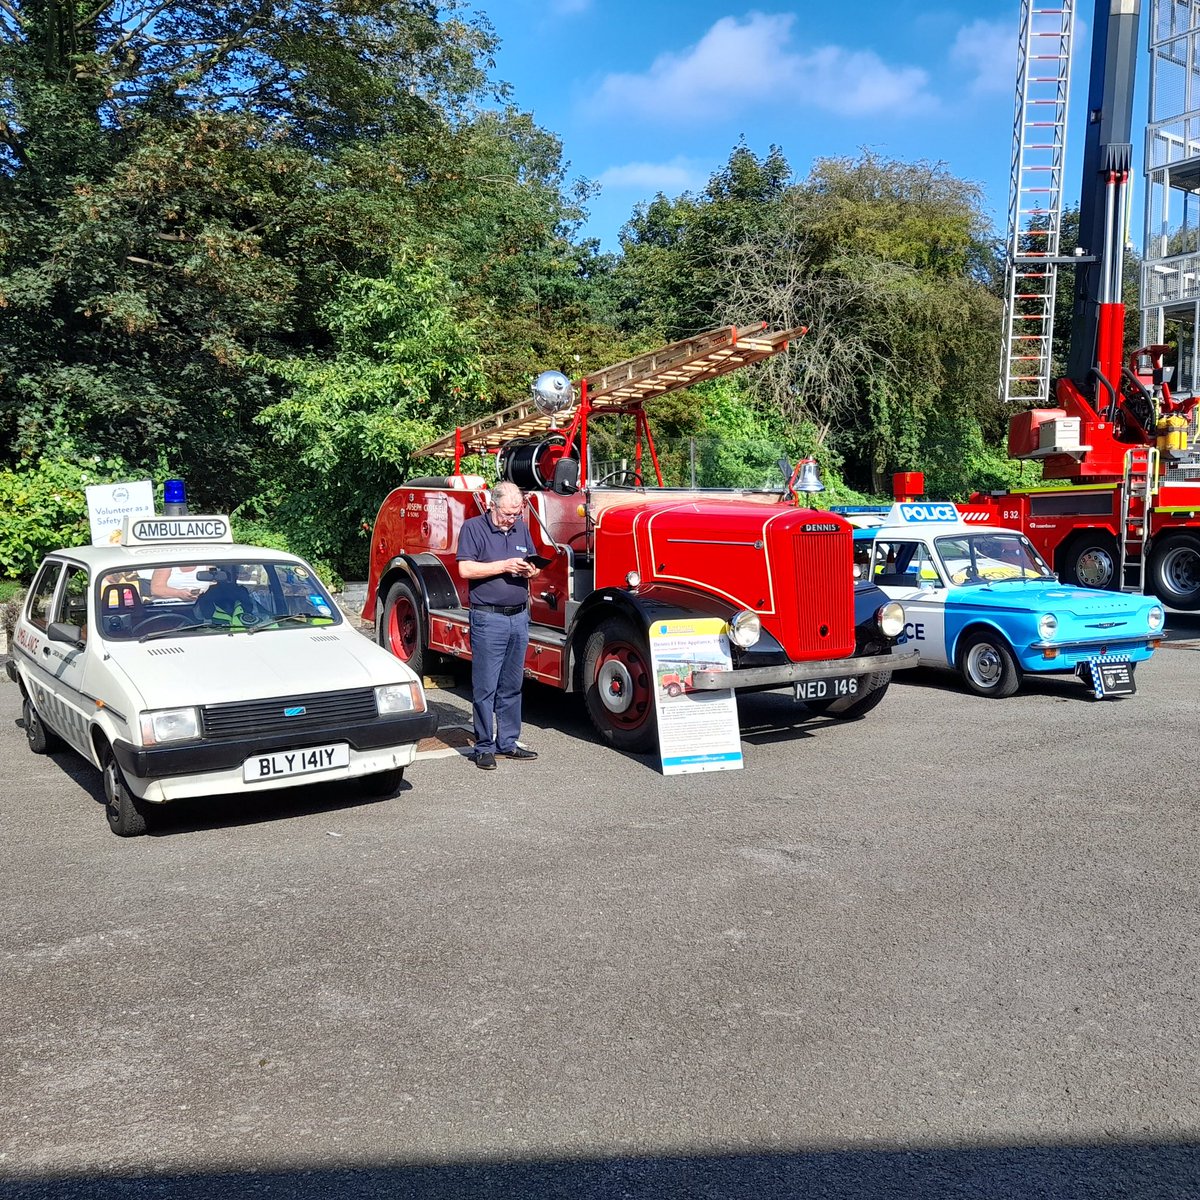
{"x":110,"y":503}
{"x":697,"y":731}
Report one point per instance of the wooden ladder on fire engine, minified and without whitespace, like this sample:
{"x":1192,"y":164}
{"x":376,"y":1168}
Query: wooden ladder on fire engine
{"x":1138,"y":490}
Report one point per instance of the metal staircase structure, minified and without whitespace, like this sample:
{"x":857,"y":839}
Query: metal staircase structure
{"x":1036,"y":198}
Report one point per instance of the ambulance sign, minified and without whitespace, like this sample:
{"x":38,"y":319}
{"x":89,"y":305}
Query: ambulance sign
{"x":178,"y":529}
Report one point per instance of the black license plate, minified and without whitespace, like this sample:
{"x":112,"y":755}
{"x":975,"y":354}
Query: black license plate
{"x":1110,"y":678}
{"x":825,"y":689}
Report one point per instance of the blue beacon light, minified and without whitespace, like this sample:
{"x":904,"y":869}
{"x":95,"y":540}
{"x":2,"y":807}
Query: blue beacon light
{"x":175,"y":498}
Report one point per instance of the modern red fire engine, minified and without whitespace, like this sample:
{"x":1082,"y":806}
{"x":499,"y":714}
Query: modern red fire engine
{"x":624,"y":551}
{"x":1120,"y":504}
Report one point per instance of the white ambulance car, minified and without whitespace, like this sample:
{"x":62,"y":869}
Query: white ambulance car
{"x":182,"y":664}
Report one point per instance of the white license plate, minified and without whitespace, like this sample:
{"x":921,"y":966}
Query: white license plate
{"x":285,"y":763}
{"x":825,"y":689}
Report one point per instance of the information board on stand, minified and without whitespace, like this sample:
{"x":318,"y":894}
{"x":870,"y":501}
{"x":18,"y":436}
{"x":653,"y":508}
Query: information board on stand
{"x":697,"y":730}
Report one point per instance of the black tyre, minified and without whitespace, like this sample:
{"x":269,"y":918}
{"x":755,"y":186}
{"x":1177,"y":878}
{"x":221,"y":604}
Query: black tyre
{"x":382,"y":784}
{"x":401,"y":630}
{"x":618,"y":686}
{"x":126,"y":813}
{"x":1091,"y":560}
{"x":850,"y":708}
{"x":987,"y":665}
{"x":41,"y":740}
{"x":1175,"y":571}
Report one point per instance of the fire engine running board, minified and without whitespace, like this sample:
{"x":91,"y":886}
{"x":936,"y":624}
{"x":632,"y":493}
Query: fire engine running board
{"x":840,"y":668}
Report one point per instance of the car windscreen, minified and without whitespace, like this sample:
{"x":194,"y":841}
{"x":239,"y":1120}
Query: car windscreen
{"x":210,"y":596}
{"x":979,"y":558}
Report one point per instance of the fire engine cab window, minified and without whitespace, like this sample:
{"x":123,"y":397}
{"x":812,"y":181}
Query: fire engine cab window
{"x":42,"y":593}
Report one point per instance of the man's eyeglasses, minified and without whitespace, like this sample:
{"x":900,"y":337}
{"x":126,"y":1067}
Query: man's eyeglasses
{"x":508,"y":513}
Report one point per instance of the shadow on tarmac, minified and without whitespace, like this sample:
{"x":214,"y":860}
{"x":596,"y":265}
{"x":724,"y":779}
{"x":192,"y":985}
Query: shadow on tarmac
{"x":1152,"y":1171}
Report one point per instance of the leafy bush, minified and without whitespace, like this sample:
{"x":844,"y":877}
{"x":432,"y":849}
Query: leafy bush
{"x":43,"y":507}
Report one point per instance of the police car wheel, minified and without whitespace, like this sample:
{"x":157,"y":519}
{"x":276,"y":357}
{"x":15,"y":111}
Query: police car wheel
{"x":987,"y":665}
{"x":125,"y":812}
{"x":40,"y":739}
{"x":618,"y":686}
{"x":382,"y":784}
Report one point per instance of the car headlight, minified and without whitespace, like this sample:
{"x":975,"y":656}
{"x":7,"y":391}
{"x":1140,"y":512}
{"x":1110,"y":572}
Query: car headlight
{"x":745,"y":628}
{"x":1155,"y":616}
{"x":170,"y":725}
{"x":399,"y":698}
{"x":1047,"y":626}
{"x":890,"y":619}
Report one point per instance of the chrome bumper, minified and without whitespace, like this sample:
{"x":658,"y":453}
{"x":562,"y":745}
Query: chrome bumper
{"x":838,"y":668}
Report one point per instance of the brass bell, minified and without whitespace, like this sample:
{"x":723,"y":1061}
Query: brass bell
{"x":808,"y":476}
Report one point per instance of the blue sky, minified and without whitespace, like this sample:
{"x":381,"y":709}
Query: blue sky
{"x":652,"y":95}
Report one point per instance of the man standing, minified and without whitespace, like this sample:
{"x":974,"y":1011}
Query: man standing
{"x":492,"y":550}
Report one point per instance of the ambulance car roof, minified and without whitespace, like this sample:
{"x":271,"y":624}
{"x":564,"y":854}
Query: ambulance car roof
{"x":187,"y":540}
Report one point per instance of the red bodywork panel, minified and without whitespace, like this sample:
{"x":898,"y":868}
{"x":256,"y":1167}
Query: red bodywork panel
{"x":794,"y":567}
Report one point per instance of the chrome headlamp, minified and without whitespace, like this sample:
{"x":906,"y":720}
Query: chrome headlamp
{"x":745,"y":628}
{"x":1047,"y":626}
{"x":1155,"y":616}
{"x":890,"y":619}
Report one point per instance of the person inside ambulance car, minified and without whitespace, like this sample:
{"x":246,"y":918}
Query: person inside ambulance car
{"x":226,"y":602}
{"x":179,"y":582}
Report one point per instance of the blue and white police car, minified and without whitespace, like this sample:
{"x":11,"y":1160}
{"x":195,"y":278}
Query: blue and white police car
{"x":980,"y":600}
{"x":184,"y":664}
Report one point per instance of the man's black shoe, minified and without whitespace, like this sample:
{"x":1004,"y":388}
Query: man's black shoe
{"x":519,"y":752}
{"x":485,"y":762}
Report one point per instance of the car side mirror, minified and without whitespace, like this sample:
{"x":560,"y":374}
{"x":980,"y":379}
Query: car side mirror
{"x":60,"y":631}
{"x":566,"y":477}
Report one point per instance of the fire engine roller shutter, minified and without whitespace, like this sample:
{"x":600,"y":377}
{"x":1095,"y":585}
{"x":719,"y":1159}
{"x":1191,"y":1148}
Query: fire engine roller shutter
{"x":824,"y":593}
{"x":1083,"y":504}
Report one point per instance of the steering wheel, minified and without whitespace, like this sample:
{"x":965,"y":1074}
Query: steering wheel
{"x":161,"y":622}
{"x":621,"y":478}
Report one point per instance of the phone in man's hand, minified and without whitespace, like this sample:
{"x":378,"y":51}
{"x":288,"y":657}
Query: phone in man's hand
{"x":537,"y":560}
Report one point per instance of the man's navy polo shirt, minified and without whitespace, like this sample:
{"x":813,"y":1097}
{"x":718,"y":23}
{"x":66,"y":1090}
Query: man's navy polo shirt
{"x":480,"y":541}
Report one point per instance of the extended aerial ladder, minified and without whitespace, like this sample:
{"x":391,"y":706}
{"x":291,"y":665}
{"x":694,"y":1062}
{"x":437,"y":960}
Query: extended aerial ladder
{"x":1035,"y":197}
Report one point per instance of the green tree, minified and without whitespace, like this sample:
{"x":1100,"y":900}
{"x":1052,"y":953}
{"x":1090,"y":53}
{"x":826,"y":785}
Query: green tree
{"x":345,"y":426}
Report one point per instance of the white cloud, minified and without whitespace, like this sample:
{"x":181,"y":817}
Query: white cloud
{"x":742,"y":63}
{"x":987,"y":50}
{"x":670,"y":178}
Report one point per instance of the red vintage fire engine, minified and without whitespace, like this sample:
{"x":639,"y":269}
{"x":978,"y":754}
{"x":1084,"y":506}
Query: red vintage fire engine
{"x":1120,"y":505}
{"x":624,"y":551}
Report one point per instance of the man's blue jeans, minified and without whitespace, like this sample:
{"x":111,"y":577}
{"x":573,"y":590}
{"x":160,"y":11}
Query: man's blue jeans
{"x":497,"y":674}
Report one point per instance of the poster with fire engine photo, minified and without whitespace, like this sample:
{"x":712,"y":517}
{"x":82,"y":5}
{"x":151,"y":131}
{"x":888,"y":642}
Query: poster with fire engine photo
{"x":697,"y":730}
